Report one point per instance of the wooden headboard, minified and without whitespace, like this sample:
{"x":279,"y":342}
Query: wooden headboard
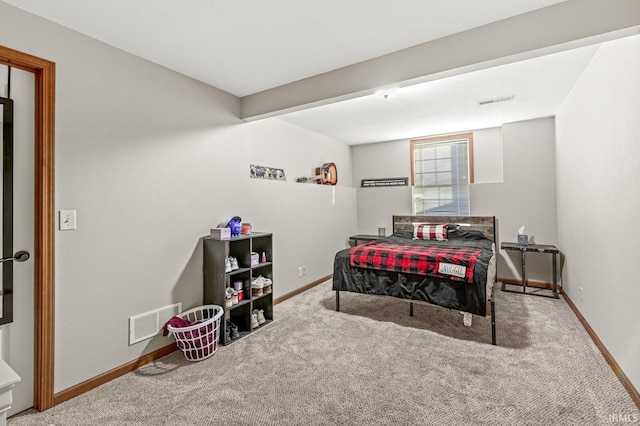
{"x":484,"y":224}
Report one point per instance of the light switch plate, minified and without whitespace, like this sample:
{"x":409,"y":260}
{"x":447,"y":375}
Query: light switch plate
{"x":67,"y":220}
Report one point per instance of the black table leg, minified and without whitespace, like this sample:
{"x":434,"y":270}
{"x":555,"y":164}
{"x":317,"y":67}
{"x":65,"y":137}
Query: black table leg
{"x":524,"y":279}
{"x":493,"y":321}
{"x":555,"y":278}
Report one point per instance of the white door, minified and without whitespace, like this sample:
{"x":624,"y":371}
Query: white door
{"x":16,"y":338}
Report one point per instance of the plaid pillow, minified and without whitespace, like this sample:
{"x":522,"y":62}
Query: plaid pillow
{"x":424,"y":231}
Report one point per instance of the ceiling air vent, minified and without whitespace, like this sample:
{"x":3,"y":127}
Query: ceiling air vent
{"x":495,"y":100}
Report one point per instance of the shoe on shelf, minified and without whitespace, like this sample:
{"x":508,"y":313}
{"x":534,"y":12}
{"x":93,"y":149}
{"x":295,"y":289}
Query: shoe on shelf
{"x":234,"y":331}
{"x":254,"y":320}
{"x":234,"y":263}
{"x":267,"y":285}
{"x":228,"y":298}
{"x":260,"y":315}
{"x":227,"y":265}
{"x":257,"y":286}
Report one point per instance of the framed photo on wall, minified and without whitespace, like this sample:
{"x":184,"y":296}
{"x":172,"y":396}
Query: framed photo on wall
{"x":263,"y":172}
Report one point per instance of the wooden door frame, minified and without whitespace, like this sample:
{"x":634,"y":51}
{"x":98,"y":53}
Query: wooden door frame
{"x":44,"y":245}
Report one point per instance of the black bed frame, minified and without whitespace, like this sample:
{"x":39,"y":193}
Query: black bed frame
{"x":485,"y":224}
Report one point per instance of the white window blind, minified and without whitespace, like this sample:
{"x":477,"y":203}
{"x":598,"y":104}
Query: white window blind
{"x":441,"y":175}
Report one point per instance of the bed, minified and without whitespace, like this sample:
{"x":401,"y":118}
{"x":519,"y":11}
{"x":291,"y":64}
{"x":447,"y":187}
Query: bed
{"x":446,"y":261}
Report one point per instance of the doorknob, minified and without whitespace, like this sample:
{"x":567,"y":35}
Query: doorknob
{"x":20,"y":256}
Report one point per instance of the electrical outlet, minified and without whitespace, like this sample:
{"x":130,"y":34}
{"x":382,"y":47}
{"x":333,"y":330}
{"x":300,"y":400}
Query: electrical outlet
{"x":304,"y":269}
{"x":581,"y":294}
{"x":299,"y":271}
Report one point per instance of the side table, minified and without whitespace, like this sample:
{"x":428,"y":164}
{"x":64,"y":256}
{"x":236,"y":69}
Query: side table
{"x":363,"y":237}
{"x":536,"y":248}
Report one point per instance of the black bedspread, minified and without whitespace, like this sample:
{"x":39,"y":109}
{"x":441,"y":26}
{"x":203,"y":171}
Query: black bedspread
{"x":459,"y":295}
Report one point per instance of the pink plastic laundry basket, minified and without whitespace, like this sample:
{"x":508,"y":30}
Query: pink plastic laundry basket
{"x":199,"y":341}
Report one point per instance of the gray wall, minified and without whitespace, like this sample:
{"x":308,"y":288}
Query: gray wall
{"x":598,"y":167}
{"x":526,"y":197}
{"x":151,"y":160}
{"x":515,"y":181}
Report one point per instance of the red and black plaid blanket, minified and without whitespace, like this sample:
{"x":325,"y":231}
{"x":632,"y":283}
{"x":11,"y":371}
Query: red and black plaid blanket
{"x":452,"y":263}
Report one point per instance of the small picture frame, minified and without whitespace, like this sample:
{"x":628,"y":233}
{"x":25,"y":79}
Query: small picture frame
{"x":264,"y":172}
{"x":384,"y":182}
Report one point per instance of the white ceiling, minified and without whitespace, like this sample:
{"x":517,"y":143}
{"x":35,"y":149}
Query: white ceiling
{"x":538,"y":86}
{"x":247,"y":46}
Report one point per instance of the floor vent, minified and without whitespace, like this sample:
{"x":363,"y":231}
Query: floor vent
{"x":145,"y":326}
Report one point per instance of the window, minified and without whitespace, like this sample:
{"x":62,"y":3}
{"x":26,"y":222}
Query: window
{"x":441,"y":171}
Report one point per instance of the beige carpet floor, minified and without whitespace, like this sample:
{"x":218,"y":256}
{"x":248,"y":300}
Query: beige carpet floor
{"x":372,"y":364}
